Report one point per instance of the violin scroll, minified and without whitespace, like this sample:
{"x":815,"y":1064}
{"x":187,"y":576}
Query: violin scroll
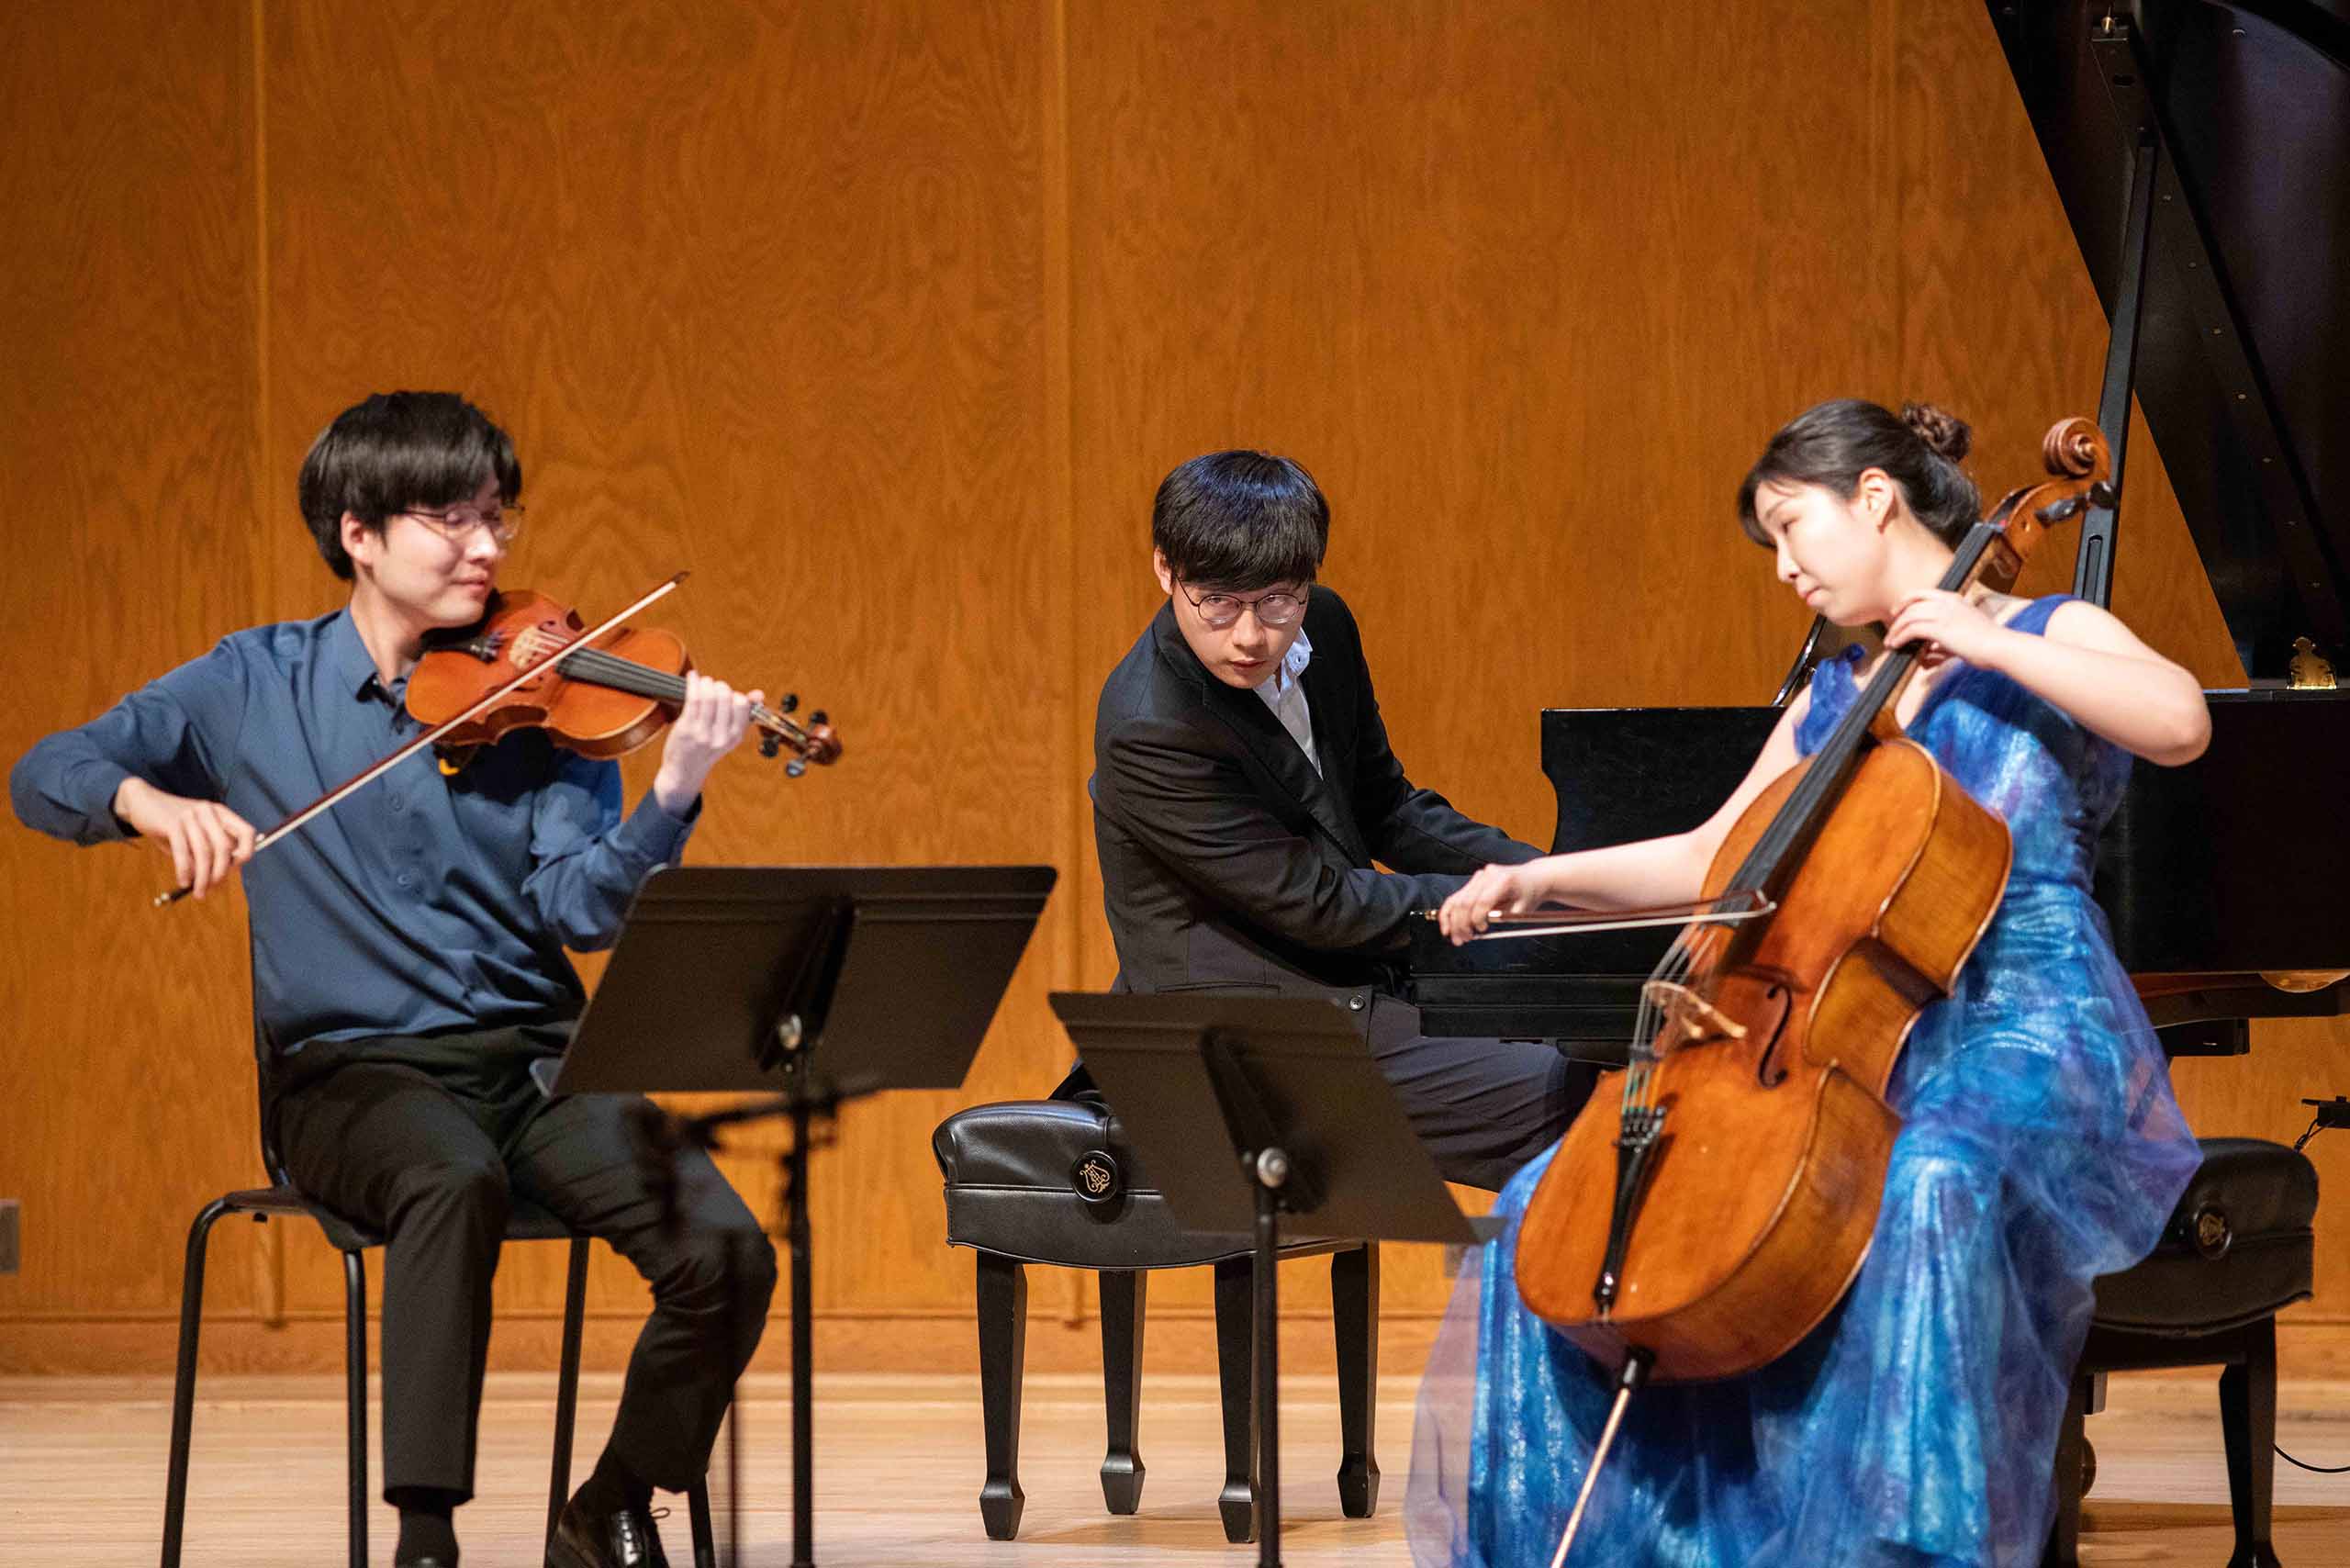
{"x":812,"y":742}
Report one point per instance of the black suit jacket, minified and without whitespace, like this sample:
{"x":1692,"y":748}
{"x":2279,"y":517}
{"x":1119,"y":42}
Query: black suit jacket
{"x":1227,"y":863}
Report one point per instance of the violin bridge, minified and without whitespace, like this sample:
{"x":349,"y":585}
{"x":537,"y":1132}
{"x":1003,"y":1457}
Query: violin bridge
{"x":535,"y":647}
{"x":1688,"y":1014}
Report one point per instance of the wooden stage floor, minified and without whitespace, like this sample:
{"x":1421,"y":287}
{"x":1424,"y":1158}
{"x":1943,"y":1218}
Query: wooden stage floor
{"x":899,"y":1471}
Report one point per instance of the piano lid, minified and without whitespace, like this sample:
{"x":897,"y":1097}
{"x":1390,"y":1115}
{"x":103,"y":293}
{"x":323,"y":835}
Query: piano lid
{"x":2245,"y":333}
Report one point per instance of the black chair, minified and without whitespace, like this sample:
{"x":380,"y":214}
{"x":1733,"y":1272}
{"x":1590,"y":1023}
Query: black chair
{"x":2239,"y":1249}
{"x":527,"y":1222}
{"x":1054,"y":1181}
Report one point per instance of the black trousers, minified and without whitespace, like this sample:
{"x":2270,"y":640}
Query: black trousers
{"x":429,"y":1140}
{"x":1484,"y":1107}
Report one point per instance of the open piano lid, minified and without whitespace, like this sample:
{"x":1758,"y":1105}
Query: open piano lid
{"x":2222,"y":872}
{"x":2244,"y":331}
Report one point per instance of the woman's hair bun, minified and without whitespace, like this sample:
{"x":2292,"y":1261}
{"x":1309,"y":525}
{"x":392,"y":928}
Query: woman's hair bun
{"x":1945,"y":435}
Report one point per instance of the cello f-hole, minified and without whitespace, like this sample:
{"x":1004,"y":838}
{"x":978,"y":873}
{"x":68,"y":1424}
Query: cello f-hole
{"x":1768,"y":1070}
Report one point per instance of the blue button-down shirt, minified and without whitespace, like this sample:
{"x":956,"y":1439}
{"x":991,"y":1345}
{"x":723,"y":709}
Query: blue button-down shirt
{"x":424,"y":903}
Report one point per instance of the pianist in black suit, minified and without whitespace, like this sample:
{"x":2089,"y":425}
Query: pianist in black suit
{"x":1243,"y":788}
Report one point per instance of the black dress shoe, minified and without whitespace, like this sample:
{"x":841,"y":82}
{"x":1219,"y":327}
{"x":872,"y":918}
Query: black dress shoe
{"x":622,"y":1539}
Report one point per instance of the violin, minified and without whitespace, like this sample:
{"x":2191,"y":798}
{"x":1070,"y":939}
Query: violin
{"x":530,"y":662}
{"x":1747,"y":1154}
{"x":602,"y":698}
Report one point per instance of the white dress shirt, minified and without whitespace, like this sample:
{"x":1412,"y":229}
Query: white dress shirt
{"x":1285,"y":693}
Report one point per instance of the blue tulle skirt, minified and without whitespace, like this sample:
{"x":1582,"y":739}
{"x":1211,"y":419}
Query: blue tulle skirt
{"x":1918,"y":1425}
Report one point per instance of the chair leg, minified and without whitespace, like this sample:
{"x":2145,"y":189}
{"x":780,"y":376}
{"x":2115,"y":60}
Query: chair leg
{"x":1125,"y":1294}
{"x":199,"y":1236}
{"x":1235,"y":1358}
{"x":566,"y":1385}
{"x":2064,"y":1549}
{"x":698,"y":1511}
{"x":1003,"y":1346}
{"x":2248,"y":1424}
{"x":1354,"y":1315}
{"x":354,"y":1314}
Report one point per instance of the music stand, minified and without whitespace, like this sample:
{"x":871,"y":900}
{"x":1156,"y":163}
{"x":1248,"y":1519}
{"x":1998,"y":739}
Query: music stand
{"x":817,"y":983}
{"x":1288,"y":1085}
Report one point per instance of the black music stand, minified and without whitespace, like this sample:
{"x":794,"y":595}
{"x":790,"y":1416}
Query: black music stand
{"x":819,"y":984}
{"x":1288,"y":1085}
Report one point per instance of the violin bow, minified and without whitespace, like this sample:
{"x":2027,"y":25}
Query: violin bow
{"x":352,"y":786}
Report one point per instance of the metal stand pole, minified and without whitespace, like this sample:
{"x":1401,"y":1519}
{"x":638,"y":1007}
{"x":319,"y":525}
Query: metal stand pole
{"x":803,"y":1344}
{"x":1271,"y":1170}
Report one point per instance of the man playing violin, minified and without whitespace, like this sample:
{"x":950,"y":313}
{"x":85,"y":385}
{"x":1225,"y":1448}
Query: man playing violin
{"x":1243,"y":788}
{"x":409,"y":967}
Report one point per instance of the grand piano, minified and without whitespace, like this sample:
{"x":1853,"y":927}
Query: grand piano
{"x":2203,"y":152}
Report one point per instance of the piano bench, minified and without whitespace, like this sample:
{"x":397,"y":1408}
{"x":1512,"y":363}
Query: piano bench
{"x":1054,"y":1182}
{"x":2239,"y":1249}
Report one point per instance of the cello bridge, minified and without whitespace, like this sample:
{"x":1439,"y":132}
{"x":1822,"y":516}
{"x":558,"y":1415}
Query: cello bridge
{"x":1689,"y":1015}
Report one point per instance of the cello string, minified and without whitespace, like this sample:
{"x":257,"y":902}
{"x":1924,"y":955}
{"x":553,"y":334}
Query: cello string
{"x":1655,"y":1020}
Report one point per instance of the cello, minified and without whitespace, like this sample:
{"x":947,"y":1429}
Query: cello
{"x":1748,"y":1151}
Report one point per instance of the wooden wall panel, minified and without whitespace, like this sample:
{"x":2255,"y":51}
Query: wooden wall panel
{"x":1521,"y":292}
{"x":885,"y":320}
{"x":1528,"y":296}
{"x":126,"y":453}
{"x":759,"y":298}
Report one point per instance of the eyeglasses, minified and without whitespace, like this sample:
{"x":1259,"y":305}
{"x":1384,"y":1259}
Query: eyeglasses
{"x":454,"y":524}
{"x":1275,"y":609}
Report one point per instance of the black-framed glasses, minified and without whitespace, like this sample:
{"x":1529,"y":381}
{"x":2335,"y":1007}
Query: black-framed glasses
{"x":1279,"y":608}
{"x":454,"y":524}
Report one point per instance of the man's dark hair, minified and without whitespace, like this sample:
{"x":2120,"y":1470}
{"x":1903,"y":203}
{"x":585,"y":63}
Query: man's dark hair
{"x":395,"y":451}
{"x":1240,"y":520}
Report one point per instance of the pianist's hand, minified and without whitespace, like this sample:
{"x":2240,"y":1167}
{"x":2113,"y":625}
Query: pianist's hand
{"x":1496,"y":890}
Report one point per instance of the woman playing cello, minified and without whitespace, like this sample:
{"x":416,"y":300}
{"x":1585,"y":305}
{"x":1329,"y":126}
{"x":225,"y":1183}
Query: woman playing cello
{"x":2038,"y":1146}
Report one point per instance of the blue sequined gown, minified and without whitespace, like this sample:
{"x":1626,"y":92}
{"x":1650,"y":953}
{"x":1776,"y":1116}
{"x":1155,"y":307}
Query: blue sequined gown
{"x":1917,"y":1426}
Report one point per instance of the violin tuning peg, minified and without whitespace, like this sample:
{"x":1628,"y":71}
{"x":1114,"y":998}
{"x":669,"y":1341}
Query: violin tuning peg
{"x":790,"y":703}
{"x":769,"y":743}
{"x":795,"y":767}
{"x":818,"y":717}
